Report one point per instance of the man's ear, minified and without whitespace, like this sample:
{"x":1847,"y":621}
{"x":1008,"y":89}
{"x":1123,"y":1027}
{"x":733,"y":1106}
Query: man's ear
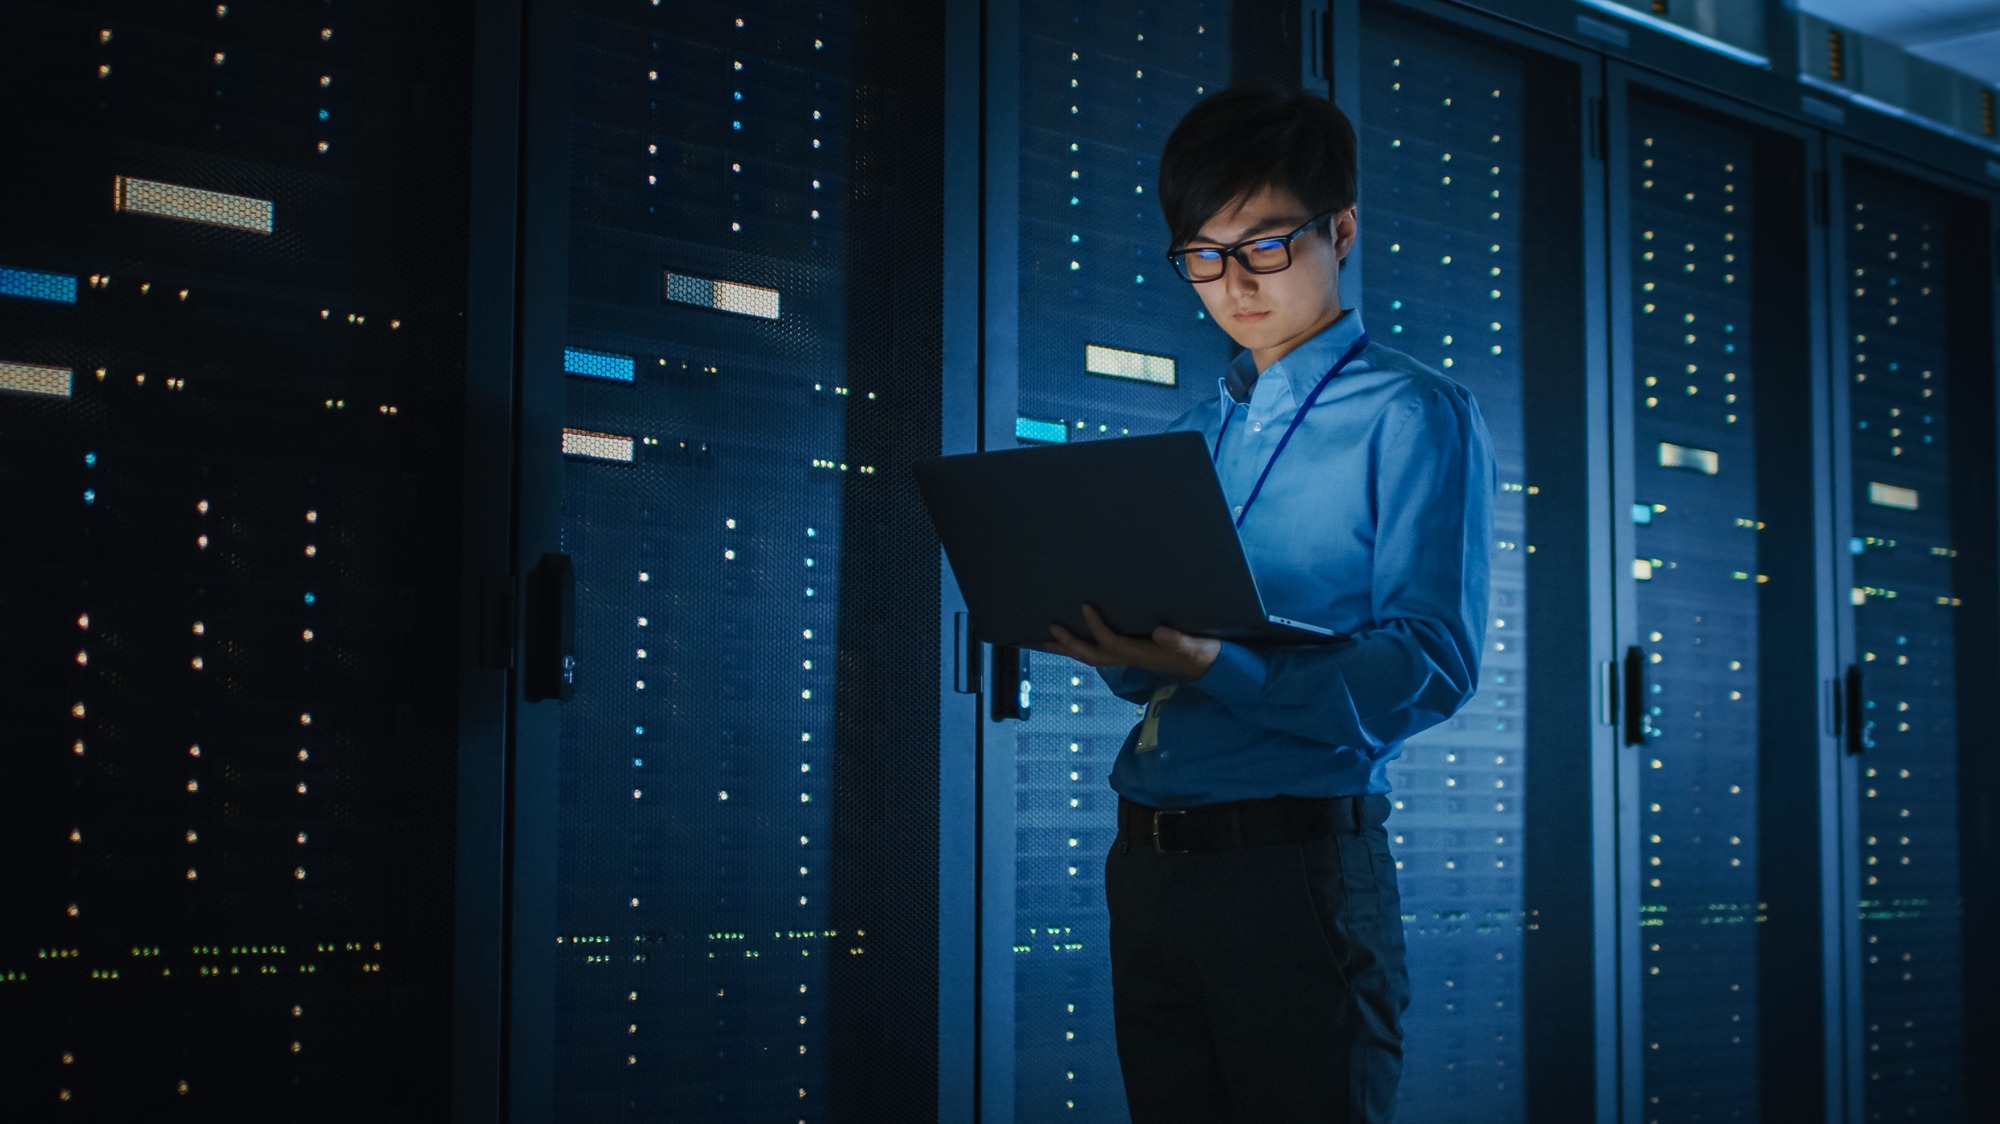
{"x":1343,"y":230}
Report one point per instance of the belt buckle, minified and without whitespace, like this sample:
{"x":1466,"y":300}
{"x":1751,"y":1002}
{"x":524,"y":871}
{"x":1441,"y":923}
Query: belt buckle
{"x":1158,"y":846}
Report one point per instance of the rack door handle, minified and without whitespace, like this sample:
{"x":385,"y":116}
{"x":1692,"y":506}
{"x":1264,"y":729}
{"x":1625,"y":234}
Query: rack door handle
{"x":1636,"y":725}
{"x":550,"y":643}
{"x":1855,"y":709}
{"x":1010,"y":683}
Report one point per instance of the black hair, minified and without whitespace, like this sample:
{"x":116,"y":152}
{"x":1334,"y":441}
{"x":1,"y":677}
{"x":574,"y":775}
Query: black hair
{"x":1238,"y":141}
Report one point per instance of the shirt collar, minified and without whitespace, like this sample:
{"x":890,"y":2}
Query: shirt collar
{"x":1301,"y":368}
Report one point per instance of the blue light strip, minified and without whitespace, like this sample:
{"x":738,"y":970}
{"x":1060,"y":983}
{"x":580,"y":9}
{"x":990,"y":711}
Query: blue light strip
{"x":1029,"y":429}
{"x":598,"y":365}
{"x":37,"y":286}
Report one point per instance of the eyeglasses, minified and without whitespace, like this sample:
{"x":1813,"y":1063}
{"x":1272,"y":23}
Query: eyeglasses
{"x":1269,"y":253}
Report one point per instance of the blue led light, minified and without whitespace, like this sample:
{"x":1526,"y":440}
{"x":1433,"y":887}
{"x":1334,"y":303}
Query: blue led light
{"x":36,"y":286}
{"x":638,"y":731}
{"x":1855,"y":545}
{"x":598,"y":365}
{"x":1031,"y":429}
{"x":309,"y":598}
{"x":1642,"y":514}
{"x":90,"y":495}
{"x":322,"y":114}
{"x":90,"y":459}
{"x":638,"y":762}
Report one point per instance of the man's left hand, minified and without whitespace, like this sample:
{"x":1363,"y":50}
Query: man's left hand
{"x":1166,"y":651}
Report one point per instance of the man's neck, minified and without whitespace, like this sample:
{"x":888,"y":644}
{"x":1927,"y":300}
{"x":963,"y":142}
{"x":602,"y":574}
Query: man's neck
{"x":1263,"y":358}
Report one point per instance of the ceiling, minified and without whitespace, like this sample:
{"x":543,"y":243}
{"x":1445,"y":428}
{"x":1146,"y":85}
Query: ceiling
{"x":1961,"y":34}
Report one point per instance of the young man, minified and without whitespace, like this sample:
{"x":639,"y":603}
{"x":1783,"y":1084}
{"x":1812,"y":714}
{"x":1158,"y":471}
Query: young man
{"x":1256,"y":931}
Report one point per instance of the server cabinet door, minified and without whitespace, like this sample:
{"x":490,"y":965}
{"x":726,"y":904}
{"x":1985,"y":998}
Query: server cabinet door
{"x":1716,"y":434}
{"x":746,"y":812}
{"x":1471,"y":236}
{"x":232,"y":288}
{"x":1914,"y":286}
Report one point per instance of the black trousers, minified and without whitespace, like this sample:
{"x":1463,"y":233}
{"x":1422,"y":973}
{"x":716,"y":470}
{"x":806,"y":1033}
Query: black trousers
{"x":1262,"y":984}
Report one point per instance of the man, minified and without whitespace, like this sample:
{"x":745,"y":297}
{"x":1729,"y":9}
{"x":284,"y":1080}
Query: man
{"x":1256,"y":930}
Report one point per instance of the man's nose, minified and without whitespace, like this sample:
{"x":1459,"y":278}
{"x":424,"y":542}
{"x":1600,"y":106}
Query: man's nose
{"x":1238,"y":280}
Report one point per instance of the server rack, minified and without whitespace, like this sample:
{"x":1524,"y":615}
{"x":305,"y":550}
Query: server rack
{"x":734,"y":360}
{"x":1912,"y":279}
{"x":230,"y":434}
{"x":1724,"y":582}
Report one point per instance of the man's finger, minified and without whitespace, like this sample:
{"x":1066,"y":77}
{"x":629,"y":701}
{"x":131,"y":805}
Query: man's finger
{"x":1098,"y":629}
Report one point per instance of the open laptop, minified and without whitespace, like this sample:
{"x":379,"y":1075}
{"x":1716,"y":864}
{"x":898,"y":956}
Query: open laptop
{"x":1136,"y":526}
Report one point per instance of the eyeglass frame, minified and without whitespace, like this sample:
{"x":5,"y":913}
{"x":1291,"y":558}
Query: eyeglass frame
{"x":1235,"y":250}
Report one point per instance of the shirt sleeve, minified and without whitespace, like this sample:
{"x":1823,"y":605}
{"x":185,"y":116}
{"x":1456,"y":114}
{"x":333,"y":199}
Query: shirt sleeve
{"x":1418,"y":662}
{"x":1133,"y":684}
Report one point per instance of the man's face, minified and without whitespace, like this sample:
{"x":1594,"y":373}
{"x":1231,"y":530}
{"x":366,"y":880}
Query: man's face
{"x":1271,"y":313}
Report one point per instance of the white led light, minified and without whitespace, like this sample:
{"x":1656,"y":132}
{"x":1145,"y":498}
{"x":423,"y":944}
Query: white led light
{"x":192,"y":204}
{"x":597,"y":446}
{"x":724,"y":296}
{"x":1111,"y":362}
{"x":30,"y":378}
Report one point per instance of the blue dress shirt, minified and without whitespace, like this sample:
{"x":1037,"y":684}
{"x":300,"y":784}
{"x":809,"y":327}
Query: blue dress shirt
{"x":1375,"y":522}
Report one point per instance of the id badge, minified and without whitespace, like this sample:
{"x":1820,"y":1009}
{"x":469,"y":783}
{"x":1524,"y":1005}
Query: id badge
{"x":1149,"y":731}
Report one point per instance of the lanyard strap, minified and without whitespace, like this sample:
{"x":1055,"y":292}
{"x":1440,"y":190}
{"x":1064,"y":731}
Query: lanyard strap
{"x":1289,"y":430}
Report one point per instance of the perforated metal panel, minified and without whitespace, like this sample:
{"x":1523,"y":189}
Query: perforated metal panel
{"x":747,"y":880}
{"x":1906,"y":600}
{"x":1443,"y":133}
{"x":1698,"y":570}
{"x":229,"y":441}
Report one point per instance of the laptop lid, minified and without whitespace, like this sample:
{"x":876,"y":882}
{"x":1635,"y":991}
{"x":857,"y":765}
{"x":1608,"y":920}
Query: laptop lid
{"x":1137,"y":526}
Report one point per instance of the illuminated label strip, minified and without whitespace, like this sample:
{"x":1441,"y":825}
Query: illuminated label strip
{"x":37,"y":286}
{"x":726,"y":296}
{"x":1110,"y":362}
{"x":598,"y":364}
{"x":1030,"y":429}
{"x":1683,"y":456}
{"x":597,"y":446}
{"x":192,"y":204}
{"x":1889,"y":495}
{"x":28,"y":378}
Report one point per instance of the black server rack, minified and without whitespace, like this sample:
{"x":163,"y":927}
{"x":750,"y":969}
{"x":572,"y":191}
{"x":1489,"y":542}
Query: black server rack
{"x":1447,"y":195}
{"x":1916,"y":293}
{"x":1697,"y":510}
{"x":231,"y":360}
{"x":746,"y":878}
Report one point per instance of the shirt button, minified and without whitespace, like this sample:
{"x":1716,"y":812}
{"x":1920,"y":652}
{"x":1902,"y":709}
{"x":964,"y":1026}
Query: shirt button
{"x":1238,"y":511}
{"x":1256,"y":427}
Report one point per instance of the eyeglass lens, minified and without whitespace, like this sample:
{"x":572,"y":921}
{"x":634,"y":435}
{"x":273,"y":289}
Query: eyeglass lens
{"x":1268,"y":255}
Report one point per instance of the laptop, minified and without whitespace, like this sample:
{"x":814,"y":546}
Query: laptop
{"x":1136,"y":526}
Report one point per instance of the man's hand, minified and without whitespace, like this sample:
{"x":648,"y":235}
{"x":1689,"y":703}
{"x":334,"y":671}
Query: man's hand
{"x":1167,"y":652}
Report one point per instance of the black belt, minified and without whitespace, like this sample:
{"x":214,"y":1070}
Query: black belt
{"x":1249,"y":823}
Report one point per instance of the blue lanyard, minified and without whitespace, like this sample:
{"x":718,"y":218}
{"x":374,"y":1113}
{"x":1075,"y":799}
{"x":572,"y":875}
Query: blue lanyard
{"x":1289,"y":430}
